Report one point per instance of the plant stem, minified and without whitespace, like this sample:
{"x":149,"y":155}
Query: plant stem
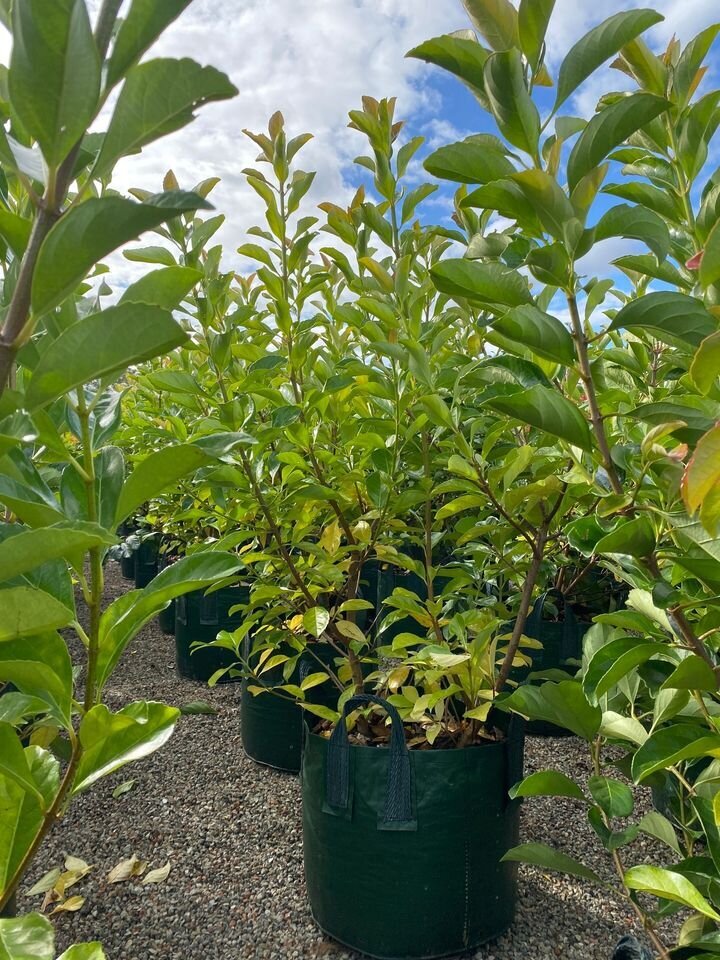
{"x":525,"y":602}
{"x":587,"y":379}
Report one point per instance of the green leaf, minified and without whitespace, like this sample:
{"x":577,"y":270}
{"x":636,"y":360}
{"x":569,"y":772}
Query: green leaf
{"x":547,"y":783}
{"x":145,"y":21}
{"x":464,"y":57}
{"x":31,"y":548}
{"x":111,"y":740}
{"x":157,"y":472}
{"x":469,"y":161}
{"x":27,"y":938}
{"x":93,"y":229}
{"x":315,"y":620}
{"x":128,"y":614}
{"x":14,"y":765}
{"x":597,"y":46}
{"x":547,"y":199}
{"x":669,"y":745}
{"x":614,"y":797}
{"x":608,"y":129}
{"x":540,"y":855}
{"x":533,"y":19}
{"x":692,"y":673}
{"x":54,"y":77}
{"x":15,"y":230}
{"x":540,"y":332}
{"x":512,"y":106}
{"x":656,"y":825}
{"x":41,"y":668}
{"x":671,"y":317}
{"x":636,"y":538}
{"x":561,"y":703}
{"x":166,"y":287}
{"x":705,"y":368}
{"x":668,"y":885}
{"x":614,"y":660}
{"x":437,"y":410}
{"x":84,"y":951}
{"x":490,"y":283}
{"x":27,"y":611}
{"x":548,"y":410}
{"x":99,"y":345}
{"x":29,"y":505}
{"x":635,"y":223}
{"x":701,"y":479}
{"x":157,"y":98}
{"x":496,"y":20}
{"x":709,"y":272}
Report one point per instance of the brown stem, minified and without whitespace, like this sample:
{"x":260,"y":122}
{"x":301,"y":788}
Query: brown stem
{"x":587,"y":379}
{"x":525,"y":602}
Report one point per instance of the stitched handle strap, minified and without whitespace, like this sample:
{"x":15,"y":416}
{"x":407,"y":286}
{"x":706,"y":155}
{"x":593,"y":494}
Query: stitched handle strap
{"x":398,"y":797}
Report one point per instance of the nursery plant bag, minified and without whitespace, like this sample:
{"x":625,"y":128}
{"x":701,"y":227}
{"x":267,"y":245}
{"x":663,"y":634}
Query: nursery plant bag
{"x":272,"y":726}
{"x":403,"y":847}
{"x":146,"y":562}
{"x":166,"y":617}
{"x":561,"y":642}
{"x":127,"y":567}
{"x":199,"y":618}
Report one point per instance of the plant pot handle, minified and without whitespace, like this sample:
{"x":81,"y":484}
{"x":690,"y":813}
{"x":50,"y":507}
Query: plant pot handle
{"x":398,"y":813}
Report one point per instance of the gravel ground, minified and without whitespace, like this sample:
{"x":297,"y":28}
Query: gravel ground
{"x":232,"y":833}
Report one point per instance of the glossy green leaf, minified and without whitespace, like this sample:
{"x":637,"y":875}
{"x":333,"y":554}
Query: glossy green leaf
{"x":610,"y":128}
{"x":111,"y":740}
{"x":157,"y":472}
{"x":635,"y":223}
{"x":548,"y":410}
{"x":615,"y":798}
{"x":597,"y":46}
{"x":463,"y":57}
{"x":614,"y":660}
{"x":496,"y":20}
{"x":668,"y":885}
{"x":636,"y":538}
{"x":705,"y":368}
{"x":709,"y":272}
{"x":671,"y":317}
{"x":29,"y":505}
{"x":30,"y":937}
{"x":469,"y":161}
{"x":533,"y":19}
{"x":157,"y":98}
{"x":31,"y":548}
{"x":14,"y":765}
{"x":547,"y":199}
{"x":490,"y":283}
{"x":40,"y":668}
{"x":561,"y":703}
{"x":315,"y":620}
{"x":102,"y":344}
{"x":542,"y":333}
{"x":27,"y":611}
{"x":54,"y":77}
{"x":15,"y":230}
{"x":540,"y":855}
{"x":656,"y":825}
{"x":512,"y":106}
{"x":702,"y":474}
{"x":84,"y":951}
{"x":671,"y":744}
{"x":125,"y":616}
{"x":93,"y":229}
{"x":547,"y":783}
{"x":143,"y":24}
{"x":166,"y":287}
{"x":692,"y":673}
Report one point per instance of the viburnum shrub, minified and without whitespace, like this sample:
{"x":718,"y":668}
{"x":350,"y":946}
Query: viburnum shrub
{"x":631,"y":399}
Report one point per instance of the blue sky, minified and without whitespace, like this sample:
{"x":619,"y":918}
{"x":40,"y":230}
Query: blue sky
{"x":313,"y":59}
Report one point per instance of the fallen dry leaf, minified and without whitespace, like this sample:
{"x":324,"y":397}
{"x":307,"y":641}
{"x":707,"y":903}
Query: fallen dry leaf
{"x":70,"y":905}
{"x":159,"y":875}
{"x":45,"y":883}
{"x":127,"y":869}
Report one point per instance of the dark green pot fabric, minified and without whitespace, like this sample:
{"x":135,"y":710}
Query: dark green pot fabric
{"x":146,"y":562}
{"x":271,"y":726}
{"x":402,"y":847}
{"x":166,"y":618}
{"x":127,"y":567}
{"x":199,"y":618}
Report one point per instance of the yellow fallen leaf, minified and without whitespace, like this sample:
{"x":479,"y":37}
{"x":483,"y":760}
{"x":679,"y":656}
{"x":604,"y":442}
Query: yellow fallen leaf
{"x":159,"y":875}
{"x":70,"y":905}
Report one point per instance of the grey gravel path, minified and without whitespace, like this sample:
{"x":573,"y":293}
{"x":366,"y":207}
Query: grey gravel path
{"x":232,"y":832}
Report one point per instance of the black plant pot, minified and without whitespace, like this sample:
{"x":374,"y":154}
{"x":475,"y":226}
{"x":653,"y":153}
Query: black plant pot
{"x":127,"y":567}
{"x":166,"y":617}
{"x":199,"y":617}
{"x":403,"y":847}
{"x":146,"y":562}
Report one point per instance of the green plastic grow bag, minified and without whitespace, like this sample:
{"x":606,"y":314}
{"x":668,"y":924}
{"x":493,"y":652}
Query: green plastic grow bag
{"x":403,"y":847}
{"x":271,"y":726}
{"x":198,"y":619}
{"x":166,"y":617}
{"x":146,"y":562}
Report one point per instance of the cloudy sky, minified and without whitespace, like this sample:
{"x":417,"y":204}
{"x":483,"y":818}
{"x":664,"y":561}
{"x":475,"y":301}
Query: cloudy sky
{"x":314,"y":59}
